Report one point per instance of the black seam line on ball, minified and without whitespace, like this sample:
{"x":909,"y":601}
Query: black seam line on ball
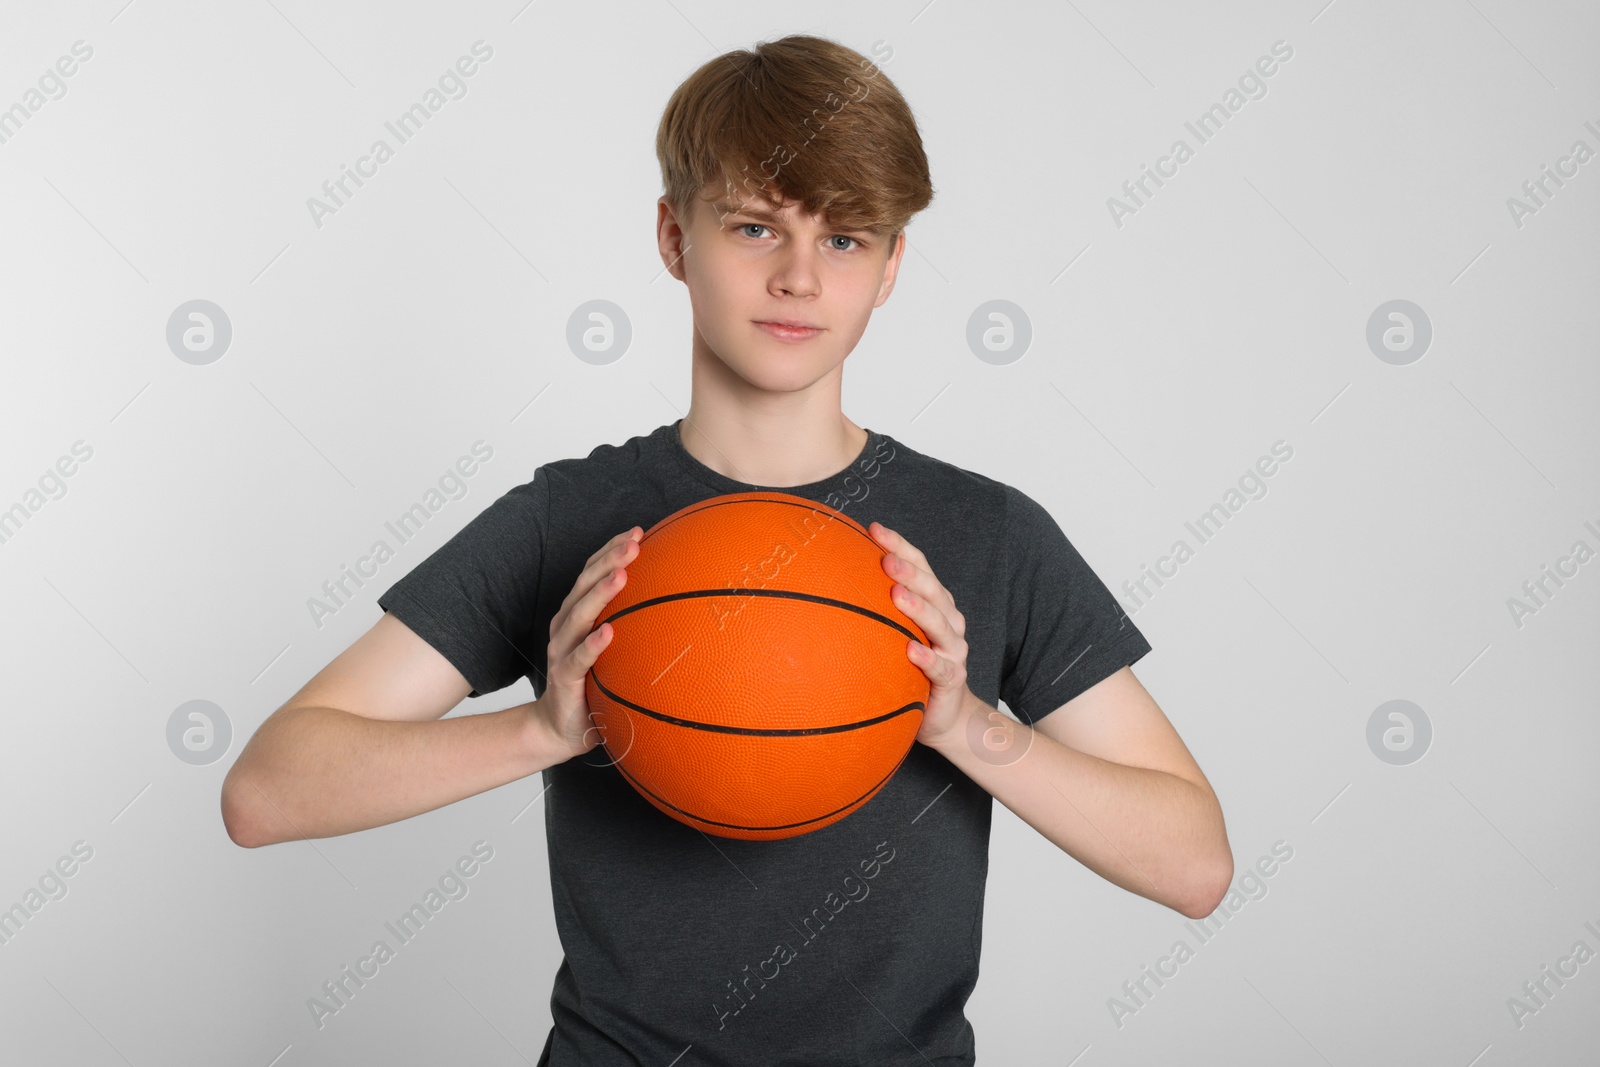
{"x":739,"y":826}
{"x":780,"y":594}
{"x":851,"y":524}
{"x":754,"y":731}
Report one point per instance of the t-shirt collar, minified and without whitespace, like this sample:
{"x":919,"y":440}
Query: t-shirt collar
{"x":724,"y":484}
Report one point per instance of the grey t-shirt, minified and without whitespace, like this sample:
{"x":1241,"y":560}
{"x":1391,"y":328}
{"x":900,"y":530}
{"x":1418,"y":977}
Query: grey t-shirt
{"x":856,"y":943}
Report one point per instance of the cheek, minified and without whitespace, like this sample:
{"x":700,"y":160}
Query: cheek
{"x":707,"y":294}
{"x":718,"y":285}
{"x":848,"y":339}
{"x":859,"y":308}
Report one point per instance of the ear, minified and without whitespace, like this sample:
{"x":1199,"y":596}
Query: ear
{"x":891,"y":268}
{"x":671,"y":238}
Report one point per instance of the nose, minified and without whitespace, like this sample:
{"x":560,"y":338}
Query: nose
{"x":796,"y":272}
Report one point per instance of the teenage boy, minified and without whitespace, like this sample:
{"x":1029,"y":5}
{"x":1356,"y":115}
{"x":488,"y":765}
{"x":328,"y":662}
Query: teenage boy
{"x":858,"y":942}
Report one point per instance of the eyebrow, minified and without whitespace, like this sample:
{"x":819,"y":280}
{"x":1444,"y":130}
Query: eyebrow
{"x":722,"y":207}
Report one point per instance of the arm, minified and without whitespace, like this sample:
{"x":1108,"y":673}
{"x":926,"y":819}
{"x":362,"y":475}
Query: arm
{"x":1107,"y":780}
{"x":357,"y":746}
{"x":1104,"y":777}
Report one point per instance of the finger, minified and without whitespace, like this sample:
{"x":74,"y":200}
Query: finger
{"x":941,"y":671}
{"x":575,"y":664}
{"x":591,"y":606}
{"x":600,"y":563}
{"x":635,"y":534}
{"x":918,"y":579}
{"x":887,"y":537}
{"x":921,"y":581}
{"x":621,"y":552}
{"x":579,"y":622}
{"x":935,"y":623}
{"x":572,"y":631}
{"x":899,"y":546}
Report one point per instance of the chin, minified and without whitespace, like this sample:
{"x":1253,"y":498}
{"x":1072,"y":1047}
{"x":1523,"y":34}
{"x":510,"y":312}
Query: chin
{"x":770,"y":372}
{"x":769,"y":382}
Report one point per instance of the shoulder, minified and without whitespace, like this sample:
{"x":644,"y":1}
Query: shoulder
{"x":970,"y":497}
{"x":584,"y":501}
{"x":606,"y":465}
{"x":969,"y":493}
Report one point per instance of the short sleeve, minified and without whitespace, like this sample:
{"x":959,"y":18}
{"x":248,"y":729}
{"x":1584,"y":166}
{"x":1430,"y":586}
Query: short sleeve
{"x":475,"y":598}
{"x":1065,"y":631}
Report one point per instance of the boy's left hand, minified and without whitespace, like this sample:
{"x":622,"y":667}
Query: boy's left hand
{"x":930,"y":606}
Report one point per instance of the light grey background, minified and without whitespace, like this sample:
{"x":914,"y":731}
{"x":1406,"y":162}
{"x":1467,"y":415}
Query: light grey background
{"x":1168,"y":354}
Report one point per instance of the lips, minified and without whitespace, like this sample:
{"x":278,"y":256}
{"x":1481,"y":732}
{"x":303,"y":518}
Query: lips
{"x":784,"y":332}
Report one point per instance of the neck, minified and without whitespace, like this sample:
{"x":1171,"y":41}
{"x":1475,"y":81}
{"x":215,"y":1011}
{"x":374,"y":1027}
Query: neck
{"x":773,"y":455}
{"x":769,"y":439}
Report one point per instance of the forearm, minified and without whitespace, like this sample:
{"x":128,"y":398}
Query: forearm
{"x":1150,"y":832}
{"x":319,"y":772}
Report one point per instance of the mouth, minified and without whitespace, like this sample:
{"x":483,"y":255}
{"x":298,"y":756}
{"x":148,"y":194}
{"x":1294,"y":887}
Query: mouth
{"x":789,"y":330}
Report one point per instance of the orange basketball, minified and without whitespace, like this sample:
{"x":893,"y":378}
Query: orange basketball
{"x":756,"y":684}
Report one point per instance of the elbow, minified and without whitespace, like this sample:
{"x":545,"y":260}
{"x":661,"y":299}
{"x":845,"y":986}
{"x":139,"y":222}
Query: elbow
{"x":1212,"y":869}
{"x":1208,"y":893}
{"x":235,"y":817}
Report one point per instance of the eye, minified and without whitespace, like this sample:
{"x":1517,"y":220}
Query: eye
{"x":746,"y":225}
{"x":844,"y":237}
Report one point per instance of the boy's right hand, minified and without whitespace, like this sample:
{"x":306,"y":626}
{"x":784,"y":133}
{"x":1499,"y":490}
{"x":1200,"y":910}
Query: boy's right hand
{"x":573,"y":648}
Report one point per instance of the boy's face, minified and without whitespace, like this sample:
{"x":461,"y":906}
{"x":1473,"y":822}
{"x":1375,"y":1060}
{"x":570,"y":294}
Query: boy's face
{"x":746,"y":266}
